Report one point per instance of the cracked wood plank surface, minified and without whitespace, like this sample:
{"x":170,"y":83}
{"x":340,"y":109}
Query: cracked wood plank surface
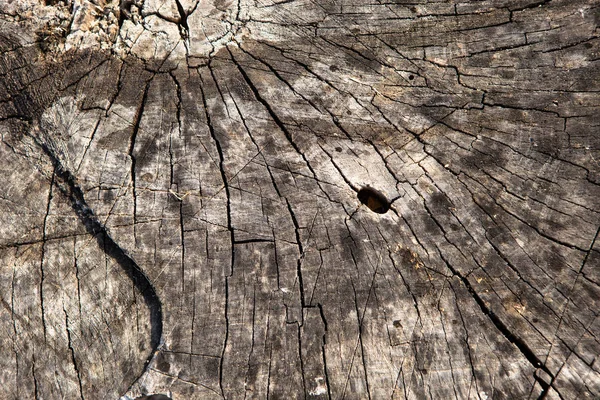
{"x":179,"y":211}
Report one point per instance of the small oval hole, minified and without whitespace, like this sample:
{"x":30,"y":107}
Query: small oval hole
{"x":374,"y":199}
{"x":154,"y":397}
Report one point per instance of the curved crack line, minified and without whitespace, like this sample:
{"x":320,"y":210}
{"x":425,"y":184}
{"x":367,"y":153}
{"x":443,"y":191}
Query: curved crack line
{"x":66,"y":182}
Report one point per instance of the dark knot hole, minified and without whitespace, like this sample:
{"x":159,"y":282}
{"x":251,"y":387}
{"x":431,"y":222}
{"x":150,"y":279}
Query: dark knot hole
{"x":154,"y":397}
{"x":374,"y":199}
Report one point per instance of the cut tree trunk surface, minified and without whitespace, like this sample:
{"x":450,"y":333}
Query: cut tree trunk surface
{"x":300,"y":199}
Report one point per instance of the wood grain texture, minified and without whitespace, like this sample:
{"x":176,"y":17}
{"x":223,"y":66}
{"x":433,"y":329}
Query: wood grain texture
{"x":180,"y":209}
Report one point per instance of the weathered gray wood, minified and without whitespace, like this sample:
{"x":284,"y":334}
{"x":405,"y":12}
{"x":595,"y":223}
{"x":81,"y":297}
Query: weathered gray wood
{"x":180,"y":210}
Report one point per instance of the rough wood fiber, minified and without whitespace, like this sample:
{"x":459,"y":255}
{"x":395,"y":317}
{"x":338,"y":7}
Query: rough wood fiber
{"x":179,"y":211}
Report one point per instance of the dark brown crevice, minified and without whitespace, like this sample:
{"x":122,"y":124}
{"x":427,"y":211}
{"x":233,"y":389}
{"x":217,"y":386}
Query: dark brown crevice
{"x":280,"y":124}
{"x":253,"y":337}
{"x":72,"y":351}
{"x":302,"y":372}
{"x":223,"y":173}
{"x":300,"y":256}
{"x":184,"y":29}
{"x":506,"y":332}
{"x":67,"y":184}
{"x":125,"y":11}
{"x":43,"y":255}
{"x":172,"y":180}
{"x":323,"y":344}
{"x":136,"y":128}
{"x":36,"y":387}
{"x":279,"y":76}
{"x":513,"y":338}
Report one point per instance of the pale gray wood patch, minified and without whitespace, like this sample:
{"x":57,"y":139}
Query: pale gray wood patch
{"x":235,"y":199}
